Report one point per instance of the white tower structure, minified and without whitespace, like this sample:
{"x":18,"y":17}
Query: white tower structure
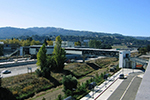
{"x":124,"y":61}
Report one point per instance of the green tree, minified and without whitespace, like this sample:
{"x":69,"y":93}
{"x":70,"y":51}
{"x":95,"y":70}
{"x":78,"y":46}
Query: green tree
{"x":1,"y":49}
{"x":148,"y":48}
{"x":60,"y":97}
{"x":30,"y":39}
{"x":78,"y":43}
{"x":59,"y":54}
{"x":95,"y":44}
{"x":26,"y":43}
{"x":143,"y":51}
{"x":50,"y":42}
{"x":45,"y":42}
{"x":17,"y":42}
{"x":33,"y":42}
{"x":42,"y":61}
{"x":69,"y":83}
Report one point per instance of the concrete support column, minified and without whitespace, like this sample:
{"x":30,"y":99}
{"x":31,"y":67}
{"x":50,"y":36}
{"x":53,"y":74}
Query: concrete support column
{"x":133,"y":64}
{"x":128,"y":64}
{"x":124,"y":63}
{"x":83,"y":56}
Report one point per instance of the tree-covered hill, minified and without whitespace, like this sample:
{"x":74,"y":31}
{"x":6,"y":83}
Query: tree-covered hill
{"x":41,"y":33}
{"x":11,"y":32}
{"x":142,"y":38}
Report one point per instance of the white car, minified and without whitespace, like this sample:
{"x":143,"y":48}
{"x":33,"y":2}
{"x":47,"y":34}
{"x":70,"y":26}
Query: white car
{"x":1,"y":76}
{"x":6,"y":72}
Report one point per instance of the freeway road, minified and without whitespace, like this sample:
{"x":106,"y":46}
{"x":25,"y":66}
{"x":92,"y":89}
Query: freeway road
{"x":22,"y":68}
{"x":18,"y":70}
{"x":127,"y":89}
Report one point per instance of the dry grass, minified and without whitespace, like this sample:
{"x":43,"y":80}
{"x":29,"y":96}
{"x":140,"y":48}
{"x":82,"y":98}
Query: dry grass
{"x":134,"y":54}
{"x":120,"y":47}
{"x":26,"y":85}
{"x":105,"y":62}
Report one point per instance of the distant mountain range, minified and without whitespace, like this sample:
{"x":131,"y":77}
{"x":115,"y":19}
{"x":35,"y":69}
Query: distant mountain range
{"x":11,"y":32}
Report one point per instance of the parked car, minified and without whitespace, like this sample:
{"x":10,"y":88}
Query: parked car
{"x":6,"y":71}
{"x":106,"y":76}
{"x":72,"y":60}
{"x":112,"y":70}
{"x":69,"y":98}
{"x":92,"y":85}
{"x":121,"y":76}
{"x":1,"y":76}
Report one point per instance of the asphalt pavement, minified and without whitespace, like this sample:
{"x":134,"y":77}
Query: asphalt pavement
{"x":21,"y":66}
{"x":18,"y":70}
{"x":117,"y":89}
{"x":127,"y":89}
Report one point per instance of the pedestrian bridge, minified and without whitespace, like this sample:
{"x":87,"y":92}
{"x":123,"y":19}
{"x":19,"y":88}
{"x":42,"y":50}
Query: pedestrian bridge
{"x":124,"y":56}
{"x":91,"y":51}
{"x":139,"y":60}
{"x":144,"y":62}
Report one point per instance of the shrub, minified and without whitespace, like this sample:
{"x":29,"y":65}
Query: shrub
{"x":96,"y":75}
{"x":15,"y":92}
{"x":46,"y":72}
{"x":68,"y":93}
{"x":6,"y":94}
{"x":60,"y":97}
{"x":38,"y":72}
{"x":69,"y":82}
{"x":91,"y":80}
{"x":102,"y":75}
{"x":43,"y":98}
{"x":25,"y":85}
{"x":84,"y":85}
{"x":87,"y":82}
{"x":28,"y":88}
{"x":81,"y":89}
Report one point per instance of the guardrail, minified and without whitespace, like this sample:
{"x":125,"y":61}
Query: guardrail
{"x":17,"y":63}
{"x":139,"y":60}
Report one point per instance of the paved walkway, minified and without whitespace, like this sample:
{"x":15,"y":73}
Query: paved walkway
{"x":104,"y":91}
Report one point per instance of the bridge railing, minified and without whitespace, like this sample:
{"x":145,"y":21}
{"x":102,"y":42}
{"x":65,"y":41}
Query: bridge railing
{"x":139,"y":60}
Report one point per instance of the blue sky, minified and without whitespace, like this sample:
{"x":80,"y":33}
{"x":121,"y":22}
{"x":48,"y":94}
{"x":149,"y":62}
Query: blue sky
{"x":127,"y":17}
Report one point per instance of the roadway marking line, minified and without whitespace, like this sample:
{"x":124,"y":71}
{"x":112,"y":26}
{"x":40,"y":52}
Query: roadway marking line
{"x":127,"y":88}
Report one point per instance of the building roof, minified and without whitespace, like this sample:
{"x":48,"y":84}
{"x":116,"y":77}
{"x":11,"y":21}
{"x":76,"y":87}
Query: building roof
{"x":1,"y":42}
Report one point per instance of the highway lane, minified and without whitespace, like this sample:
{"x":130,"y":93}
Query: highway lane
{"x":18,"y":70}
{"x":131,"y":94}
{"x":127,"y":89}
{"x":22,"y":68}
